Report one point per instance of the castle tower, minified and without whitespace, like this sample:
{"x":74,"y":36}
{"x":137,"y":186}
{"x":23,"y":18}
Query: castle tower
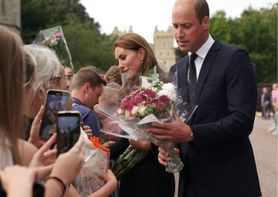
{"x":10,"y":14}
{"x":117,"y":33}
{"x":164,"y":48}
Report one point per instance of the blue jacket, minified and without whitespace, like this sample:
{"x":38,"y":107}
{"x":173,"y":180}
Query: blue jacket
{"x":88,"y":115}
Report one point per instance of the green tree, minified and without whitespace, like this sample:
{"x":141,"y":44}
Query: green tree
{"x":258,"y":34}
{"x":86,"y":44}
{"x":255,"y":31}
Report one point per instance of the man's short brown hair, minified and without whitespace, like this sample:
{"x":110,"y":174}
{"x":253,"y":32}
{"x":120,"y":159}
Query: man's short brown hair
{"x":87,"y":75}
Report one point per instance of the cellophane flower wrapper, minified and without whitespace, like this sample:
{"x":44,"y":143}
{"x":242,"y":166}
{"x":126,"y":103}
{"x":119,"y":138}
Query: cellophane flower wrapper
{"x":54,"y":39}
{"x":96,"y":161}
{"x":153,"y":102}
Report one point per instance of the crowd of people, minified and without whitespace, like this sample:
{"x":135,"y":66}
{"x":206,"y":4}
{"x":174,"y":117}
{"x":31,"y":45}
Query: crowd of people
{"x":268,"y":106}
{"x":214,"y":145}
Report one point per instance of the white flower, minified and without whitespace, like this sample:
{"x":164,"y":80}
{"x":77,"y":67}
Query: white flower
{"x":134,"y":110}
{"x":169,"y":90}
{"x":141,"y":110}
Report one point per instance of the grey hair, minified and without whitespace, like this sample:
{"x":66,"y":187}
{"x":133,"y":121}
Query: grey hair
{"x":48,"y":65}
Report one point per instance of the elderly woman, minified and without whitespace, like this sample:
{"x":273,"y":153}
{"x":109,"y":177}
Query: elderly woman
{"x":49,"y":74}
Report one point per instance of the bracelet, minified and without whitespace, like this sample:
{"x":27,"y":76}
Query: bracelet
{"x":58,"y":180}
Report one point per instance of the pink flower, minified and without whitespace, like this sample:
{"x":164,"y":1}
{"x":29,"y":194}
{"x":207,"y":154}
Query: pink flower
{"x":164,"y":99}
{"x":150,"y":93}
{"x":120,"y":111}
{"x":143,"y":102}
{"x":127,"y":103}
{"x":53,"y":40}
{"x":138,"y":99}
{"x":58,"y":34}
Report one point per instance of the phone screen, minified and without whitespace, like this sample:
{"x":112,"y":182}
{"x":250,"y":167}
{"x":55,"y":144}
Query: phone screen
{"x":56,"y":100}
{"x":68,"y":128}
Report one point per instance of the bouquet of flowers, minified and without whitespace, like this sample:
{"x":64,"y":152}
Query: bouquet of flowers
{"x":153,"y":102}
{"x":54,"y":39}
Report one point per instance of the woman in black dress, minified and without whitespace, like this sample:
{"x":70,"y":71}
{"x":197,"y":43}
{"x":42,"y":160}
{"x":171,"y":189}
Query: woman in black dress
{"x":147,"y":178}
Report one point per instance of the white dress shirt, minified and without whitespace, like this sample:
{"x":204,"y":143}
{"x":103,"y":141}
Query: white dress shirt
{"x":202,"y":52}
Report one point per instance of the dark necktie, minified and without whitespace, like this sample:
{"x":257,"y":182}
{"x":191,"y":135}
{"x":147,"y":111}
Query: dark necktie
{"x":192,"y":78}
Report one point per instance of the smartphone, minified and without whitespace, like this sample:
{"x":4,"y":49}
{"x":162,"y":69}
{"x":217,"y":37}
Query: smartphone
{"x":56,"y":100}
{"x":68,"y":129}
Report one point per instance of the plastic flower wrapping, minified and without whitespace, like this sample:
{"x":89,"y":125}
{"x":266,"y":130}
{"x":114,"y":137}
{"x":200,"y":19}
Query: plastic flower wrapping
{"x":154,"y":101}
{"x":54,"y":39}
{"x":96,"y":161}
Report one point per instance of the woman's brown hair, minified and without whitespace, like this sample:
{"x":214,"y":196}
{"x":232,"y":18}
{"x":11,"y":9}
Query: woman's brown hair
{"x":135,"y":42}
{"x":12,"y":79}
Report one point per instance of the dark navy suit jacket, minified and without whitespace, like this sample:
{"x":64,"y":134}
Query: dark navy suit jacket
{"x":219,"y":162}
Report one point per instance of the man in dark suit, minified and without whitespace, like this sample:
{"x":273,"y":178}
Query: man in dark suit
{"x":214,"y":146}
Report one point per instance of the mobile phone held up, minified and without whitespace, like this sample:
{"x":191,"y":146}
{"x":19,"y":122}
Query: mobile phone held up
{"x":68,"y":129}
{"x":56,"y":100}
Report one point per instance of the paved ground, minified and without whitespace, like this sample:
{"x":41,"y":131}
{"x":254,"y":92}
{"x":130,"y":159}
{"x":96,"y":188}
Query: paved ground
{"x":265,"y":149}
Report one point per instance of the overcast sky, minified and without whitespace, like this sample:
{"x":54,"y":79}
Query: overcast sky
{"x":144,"y":15}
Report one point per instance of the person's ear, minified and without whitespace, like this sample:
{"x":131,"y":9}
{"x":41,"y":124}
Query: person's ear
{"x":86,"y":87}
{"x":41,"y":93}
{"x":205,"y":23}
{"x":142,"y":54}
